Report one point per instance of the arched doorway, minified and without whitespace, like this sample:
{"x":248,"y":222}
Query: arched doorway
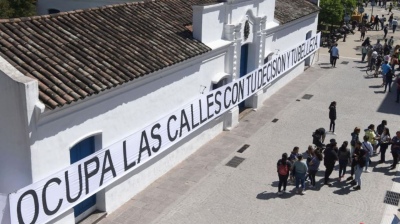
{"x":307,"y":61}
{"x":81,"y":150}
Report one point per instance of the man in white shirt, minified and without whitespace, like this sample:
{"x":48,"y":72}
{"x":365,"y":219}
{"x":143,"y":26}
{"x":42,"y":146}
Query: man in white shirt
{"x":374,"y":56}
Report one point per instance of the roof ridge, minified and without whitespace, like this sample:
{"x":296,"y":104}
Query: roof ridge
{"x":22,"y":19}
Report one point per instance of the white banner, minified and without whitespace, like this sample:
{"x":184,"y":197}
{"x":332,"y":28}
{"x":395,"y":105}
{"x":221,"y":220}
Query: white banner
{"x":44,"y":200}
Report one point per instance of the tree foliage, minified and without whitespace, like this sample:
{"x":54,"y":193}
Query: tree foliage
{"x":332,"y":11}
{"x":16,"y":8}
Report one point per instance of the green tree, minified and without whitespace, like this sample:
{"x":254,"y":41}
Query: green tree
{"x":16,"y":8}
{"x":349,"y":5}
{"x":332,"y":12}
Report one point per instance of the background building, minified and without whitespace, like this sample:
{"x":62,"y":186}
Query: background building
{"x":75,"y":84}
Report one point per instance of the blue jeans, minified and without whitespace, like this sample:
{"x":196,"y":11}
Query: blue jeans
{"x":367,"y":162}
{"x":300,"y":177}
{"x":358,"y":172}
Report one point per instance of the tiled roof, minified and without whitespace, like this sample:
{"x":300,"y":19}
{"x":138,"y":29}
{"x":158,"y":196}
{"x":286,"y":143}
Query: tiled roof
{"x":289,"y":10}
{"x":80,"y":53}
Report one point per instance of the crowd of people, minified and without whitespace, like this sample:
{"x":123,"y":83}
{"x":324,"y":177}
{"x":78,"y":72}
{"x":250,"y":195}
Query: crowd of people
{"x":299,"y":167}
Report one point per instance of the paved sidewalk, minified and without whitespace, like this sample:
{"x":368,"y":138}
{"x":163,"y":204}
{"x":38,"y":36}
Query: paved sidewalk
{"x":203,"y":190}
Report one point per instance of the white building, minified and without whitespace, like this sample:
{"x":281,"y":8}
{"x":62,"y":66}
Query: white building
{"x":126,"y":92}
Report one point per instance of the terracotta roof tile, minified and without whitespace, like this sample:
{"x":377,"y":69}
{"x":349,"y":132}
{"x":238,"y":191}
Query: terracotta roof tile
{"x":76,"y":54}
{"x":289,"y":10}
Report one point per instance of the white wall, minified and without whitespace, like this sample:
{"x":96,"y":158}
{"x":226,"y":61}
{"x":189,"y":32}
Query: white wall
{"x":18,"y":96}
{"x":279,"y":38}
{"x":121,"y":112}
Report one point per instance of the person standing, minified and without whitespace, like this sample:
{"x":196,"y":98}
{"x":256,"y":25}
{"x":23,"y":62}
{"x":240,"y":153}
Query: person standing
{"x":369,"y":56}
{"x":300,"y":169}
{"x":283,"y":168}
{"x":388,"y":81}
{"x":364,"y":51}
{"x":380,"y":128}
{"x":395,"y":149}
{"x":344,"y":158}
{"x":385,"y":141}
{"x":390,"y":20}
{"x":354,"y":140}
{"x":335,"y":54}
{"x":398,"y":87}
{"x":330,"y":159}
{"x":363,"y":30}
{"x":382,"y":21}
{"x":394,"y":24}
{"x":313,"y":167}
{"x":386,"y":70}
{"x":360,"y":158}
{"x":366,"y":145}
{"x":332,"y":116}
{"x":372,"y":136}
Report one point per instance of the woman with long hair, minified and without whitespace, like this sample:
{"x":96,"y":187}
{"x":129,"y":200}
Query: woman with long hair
{"x":385,"y":141}
{"x":344,"y":158}
{"x":313,"y":166}
{"x":283,"y":168}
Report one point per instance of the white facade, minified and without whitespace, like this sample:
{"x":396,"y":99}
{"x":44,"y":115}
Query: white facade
{"x":37,"y":141}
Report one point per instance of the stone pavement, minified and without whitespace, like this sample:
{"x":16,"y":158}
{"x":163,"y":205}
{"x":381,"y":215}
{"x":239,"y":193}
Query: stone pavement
{"x":202,"y":189}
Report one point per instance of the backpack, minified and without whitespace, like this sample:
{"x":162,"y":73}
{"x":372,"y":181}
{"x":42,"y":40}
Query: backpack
{"x":283,"y":169}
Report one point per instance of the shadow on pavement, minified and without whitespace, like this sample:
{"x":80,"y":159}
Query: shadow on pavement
{"x":344,"y":190}
{"x":271,"y":195}
{"x":375,"y":86}
{"x":388,"y":104}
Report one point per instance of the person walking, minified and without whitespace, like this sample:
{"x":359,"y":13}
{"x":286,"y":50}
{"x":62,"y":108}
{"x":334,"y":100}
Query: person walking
{"x":364,"y":51}
{"x":335,"y":54}
{"x":360,"y":158}
{"x":391,"y":42}
{"x":300,"y":169}
{"x":330,"y":158}
{"x":385,"y":30}
{"x":332,"y":116}
{"x":366,"y":145}
{"x":390,"y":20}
{"x":386,"y":70}
{"x":385,"y":141}
{"x":283,"y":168}
{"x":376,"y":22}
{"x":344,"y":158}
{"x":395,"y":149}
{"x":313,"y":167}
{"x":390,"y":8}
{"x":394,"y":24}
